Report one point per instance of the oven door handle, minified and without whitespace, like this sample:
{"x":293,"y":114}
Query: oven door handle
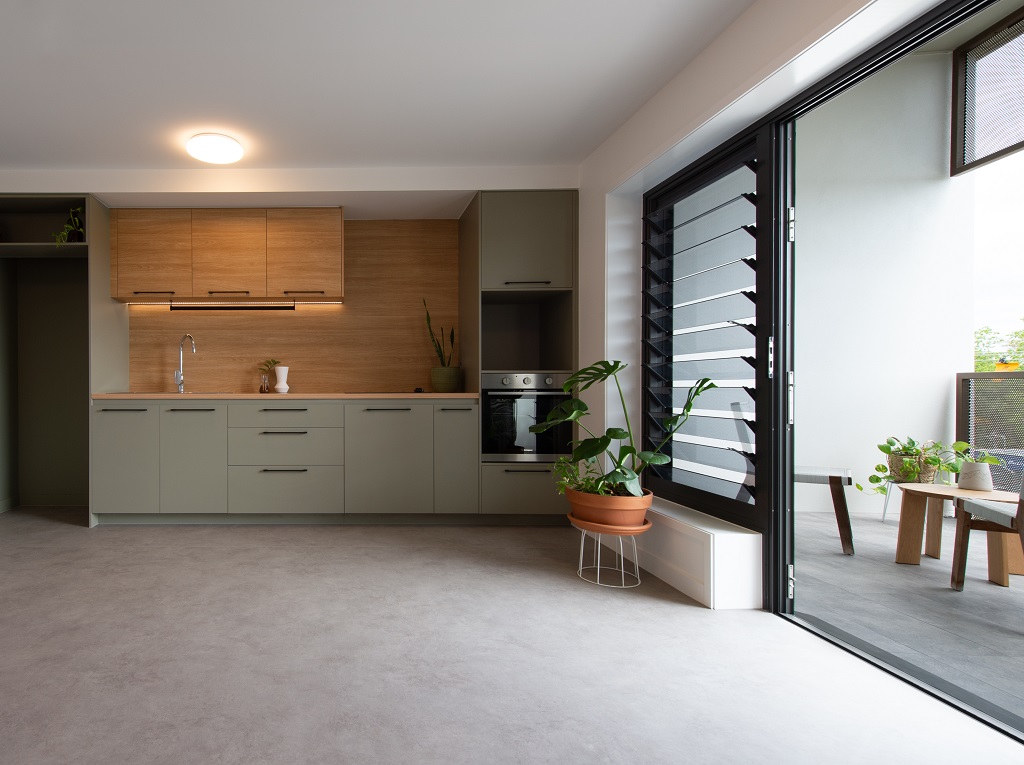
{"x":519,"y":392}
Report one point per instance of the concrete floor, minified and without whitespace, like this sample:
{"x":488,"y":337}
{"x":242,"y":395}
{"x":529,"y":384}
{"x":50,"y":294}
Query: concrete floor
{"x":301,"y":644}
{"x":972,"y":639}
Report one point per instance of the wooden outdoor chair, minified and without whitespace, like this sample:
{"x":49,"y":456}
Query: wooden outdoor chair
{"x":998,"y":518}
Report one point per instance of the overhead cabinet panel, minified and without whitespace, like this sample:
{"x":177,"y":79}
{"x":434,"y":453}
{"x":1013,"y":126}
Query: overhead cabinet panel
{"x":527,"y":239}
{"x":153,"y":253}
{"x":304,"y":253}
{"x":229,"y":253}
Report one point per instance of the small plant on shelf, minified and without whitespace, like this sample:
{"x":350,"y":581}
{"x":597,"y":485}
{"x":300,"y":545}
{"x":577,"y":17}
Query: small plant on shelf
{"x":265,"y":367}
{"x":73,"y":230}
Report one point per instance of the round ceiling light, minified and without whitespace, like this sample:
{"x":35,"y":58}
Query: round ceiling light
{"x":214,"y":148}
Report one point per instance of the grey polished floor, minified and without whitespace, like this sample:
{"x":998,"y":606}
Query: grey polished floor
{"x":292,"y":644}
{"x":973,"y":639}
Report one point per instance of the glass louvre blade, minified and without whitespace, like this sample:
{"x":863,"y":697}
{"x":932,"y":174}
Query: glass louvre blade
{"x":732,"y":461}
{"x":730,"y":218}
{"x":713,"y":484}
{"x":722,"y":308}
{"x":730,"y":368}
{"x":730,"y":278}
{"x":721,"y":429}
{"x":727,"y":248}
{"x":718,"y":339}
{"x":734,"y":184}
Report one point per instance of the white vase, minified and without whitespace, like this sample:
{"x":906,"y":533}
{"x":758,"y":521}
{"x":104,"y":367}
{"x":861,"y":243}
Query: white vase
{"x":976,"y":476}
{"x":282,"y":379}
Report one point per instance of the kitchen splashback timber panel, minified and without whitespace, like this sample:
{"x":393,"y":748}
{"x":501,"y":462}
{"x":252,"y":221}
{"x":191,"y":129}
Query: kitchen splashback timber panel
{"x":376,"y":342}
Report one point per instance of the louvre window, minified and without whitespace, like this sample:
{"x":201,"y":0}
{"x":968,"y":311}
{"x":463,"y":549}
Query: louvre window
{"x":700,"y":296}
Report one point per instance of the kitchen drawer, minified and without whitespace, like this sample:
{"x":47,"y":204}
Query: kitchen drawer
{"x":286,"y":414}
{"x":519,"y":489}
{"x":312,"y":489}
{"x":286,"y":446}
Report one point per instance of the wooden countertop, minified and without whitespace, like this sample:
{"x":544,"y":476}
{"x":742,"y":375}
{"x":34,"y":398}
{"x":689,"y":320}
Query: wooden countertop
{"x":278,"y":396}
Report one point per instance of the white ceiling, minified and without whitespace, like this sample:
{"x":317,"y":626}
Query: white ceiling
{"x":118,"y":85}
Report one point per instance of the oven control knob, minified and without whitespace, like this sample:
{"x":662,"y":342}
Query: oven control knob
{"x":506,"y":380}
{"x":527,"y":381}
{"x":549,"y":381}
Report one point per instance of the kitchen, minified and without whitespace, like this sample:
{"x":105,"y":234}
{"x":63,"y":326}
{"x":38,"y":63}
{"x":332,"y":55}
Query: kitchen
{"x":366,"y":343}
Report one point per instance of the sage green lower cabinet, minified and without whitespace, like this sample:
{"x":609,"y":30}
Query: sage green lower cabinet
{"x":193,"y":458}
{"x":520,"y":489}
{"x":286,"y":457}
{"x":286,"y":489}
{"x":456,"y":458}
{"x":389,"y":457}
{"x":125,"y":457}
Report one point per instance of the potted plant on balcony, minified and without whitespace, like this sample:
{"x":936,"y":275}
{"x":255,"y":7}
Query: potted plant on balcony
{"x":612,"y":497}
{"x":913,"y":461}
{"x":444,"y":378}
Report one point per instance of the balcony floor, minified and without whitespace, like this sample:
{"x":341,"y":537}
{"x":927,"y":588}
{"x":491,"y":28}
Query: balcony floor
{"x":972,"y":639}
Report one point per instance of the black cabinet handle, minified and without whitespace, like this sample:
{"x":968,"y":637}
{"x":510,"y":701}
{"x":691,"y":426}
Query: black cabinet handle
{"x":124,"y":410}
{"x":548,"y":281}
{"x":153,"y":292}
{"x":527,"y":471}
{"x":304,"y":292}
{"x":283,"y":409}
{"x":284,"y":433}
{"x":227,"y":292}
{"x":456,"y":409}
{"x":388,"y":409}
{"x":284,"y":470}
{"x":192,"y":410}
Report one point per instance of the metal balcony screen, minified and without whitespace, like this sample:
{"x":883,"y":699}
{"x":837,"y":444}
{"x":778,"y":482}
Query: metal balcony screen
{"x":700,"y":300}
{"x":991,"y":79}
{"x":991,"y":418}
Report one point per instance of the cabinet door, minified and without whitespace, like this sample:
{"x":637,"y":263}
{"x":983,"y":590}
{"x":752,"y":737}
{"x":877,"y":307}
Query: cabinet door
{"x":229,"y":253}
{"x":456,"y":458}
{"x":527,"y":239}
{"x":125,"y":457}
{"x":389,"y":458}
{"x":153,"y":253}
{"x":520,"y":490}
{"x":193,"y":458}
{"x":304,"y":253}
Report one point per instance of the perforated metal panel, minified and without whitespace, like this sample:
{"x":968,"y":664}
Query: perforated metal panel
{"x":993,"y":415}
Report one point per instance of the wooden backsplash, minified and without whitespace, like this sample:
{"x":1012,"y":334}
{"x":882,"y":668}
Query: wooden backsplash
{"x":375,"y":342}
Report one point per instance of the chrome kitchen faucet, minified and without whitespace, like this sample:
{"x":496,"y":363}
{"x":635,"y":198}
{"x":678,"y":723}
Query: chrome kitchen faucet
{"x":179,"y":373}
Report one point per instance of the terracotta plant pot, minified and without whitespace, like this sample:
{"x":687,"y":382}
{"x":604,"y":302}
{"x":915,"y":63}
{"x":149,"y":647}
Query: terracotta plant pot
{"x":609,"y":511}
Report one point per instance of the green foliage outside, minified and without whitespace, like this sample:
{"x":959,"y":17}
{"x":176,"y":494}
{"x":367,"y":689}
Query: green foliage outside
{"x":990,"y":347}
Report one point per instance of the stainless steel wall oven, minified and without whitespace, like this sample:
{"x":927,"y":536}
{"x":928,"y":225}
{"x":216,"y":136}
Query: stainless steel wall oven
{"x":510,"y":402}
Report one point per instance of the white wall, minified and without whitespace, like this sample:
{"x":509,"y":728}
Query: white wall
{"x":884,"y":277}
{"x":772,"y":52}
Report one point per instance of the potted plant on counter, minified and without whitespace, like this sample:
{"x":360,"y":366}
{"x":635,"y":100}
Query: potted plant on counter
{"x":444,"y":378}
{"x":613,"y":496}
{"x":265,"y":368}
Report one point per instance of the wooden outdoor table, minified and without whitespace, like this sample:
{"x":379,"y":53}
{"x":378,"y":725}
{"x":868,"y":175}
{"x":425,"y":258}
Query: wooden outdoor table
{"x":921,"y":499}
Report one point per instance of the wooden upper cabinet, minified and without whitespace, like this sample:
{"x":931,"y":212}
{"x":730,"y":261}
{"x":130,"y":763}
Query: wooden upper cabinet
{"x":153,"y":253}
{"x":229,"y":253}
{"x":304,"y":253}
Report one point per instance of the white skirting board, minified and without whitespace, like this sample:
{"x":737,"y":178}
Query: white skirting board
{"x":714,"y":562}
